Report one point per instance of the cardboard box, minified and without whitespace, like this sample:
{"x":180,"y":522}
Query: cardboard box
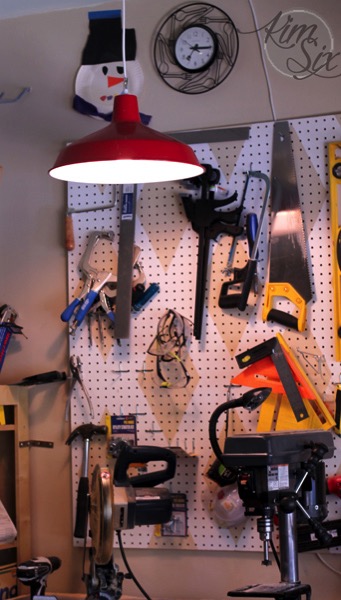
{"x":8,"y":581}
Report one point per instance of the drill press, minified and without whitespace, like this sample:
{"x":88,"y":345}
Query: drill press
{"x":280,"y":476}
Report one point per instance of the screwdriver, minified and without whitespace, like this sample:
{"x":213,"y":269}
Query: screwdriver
{"x":251,"y":231}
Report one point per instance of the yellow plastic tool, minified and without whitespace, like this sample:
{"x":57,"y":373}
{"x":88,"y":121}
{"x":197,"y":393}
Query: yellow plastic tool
{"x":334,"y":156}
{"x":337,"y":428}
{"x":319,"y":415}
{"x":277,"y":412}
{"x":275,"y":291}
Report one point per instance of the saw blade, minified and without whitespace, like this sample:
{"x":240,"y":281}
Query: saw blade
{"x":101,"y":515}
{"x":289,"y":270}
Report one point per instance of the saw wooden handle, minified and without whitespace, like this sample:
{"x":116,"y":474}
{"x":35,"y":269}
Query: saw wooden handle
{"x":69,"y":233}
{"x":284,"y":290}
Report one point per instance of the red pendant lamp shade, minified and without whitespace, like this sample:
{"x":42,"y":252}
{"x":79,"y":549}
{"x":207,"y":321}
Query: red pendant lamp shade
{"x":126,"y":151}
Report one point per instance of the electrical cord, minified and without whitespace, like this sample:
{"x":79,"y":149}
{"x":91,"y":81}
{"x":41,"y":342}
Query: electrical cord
{"x":212,"y":432}
{"x":327,"y":564}
{"x":127,"y":566}
{"x":275,"y":553}
{"x":123,"y":19}
{"x":263,"y":61}
{"x":250,"y":400}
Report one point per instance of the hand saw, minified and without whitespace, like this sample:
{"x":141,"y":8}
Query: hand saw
{"x":334,"y":156}
{"x":288,"y":274}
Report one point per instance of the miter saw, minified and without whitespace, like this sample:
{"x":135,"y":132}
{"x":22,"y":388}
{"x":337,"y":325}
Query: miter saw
{"x":119,"y":501}
{"x":281,"y":479}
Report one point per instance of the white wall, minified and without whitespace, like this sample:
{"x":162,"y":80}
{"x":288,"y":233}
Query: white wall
{"x":43,"y":51}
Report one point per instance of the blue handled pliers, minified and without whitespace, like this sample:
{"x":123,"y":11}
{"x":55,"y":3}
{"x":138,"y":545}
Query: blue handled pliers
{"x":94,"y":283}
{"x":81,"y":305}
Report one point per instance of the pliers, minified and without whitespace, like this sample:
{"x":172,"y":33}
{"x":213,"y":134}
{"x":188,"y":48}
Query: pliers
{"x":90,"y":293}
{"x":76,"y":369}
{"x":95,"y":281}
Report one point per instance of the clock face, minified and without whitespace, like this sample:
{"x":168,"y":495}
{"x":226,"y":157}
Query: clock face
{"x":195,"y":48}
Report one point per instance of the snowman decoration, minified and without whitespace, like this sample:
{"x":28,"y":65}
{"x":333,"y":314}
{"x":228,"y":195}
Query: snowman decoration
{"x":101,"y":75}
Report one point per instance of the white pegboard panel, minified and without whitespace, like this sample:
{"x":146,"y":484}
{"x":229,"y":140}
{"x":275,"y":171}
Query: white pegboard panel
{"x":121,"y":377}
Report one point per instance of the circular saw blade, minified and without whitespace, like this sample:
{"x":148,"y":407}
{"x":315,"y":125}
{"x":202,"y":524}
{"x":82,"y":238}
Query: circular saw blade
{"x":101,"y":514}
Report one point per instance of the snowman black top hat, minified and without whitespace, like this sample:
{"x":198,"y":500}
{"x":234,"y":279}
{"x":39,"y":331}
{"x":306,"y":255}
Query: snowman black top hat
{"x":104,"y":43}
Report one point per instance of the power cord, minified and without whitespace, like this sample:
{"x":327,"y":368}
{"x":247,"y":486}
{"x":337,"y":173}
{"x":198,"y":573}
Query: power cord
{"x":127,"y":566}
{"x":319,"y":556}
{"x":266,"y":73}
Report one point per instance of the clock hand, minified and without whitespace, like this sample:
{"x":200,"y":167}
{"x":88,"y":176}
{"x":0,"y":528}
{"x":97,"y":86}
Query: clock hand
{"x":198,"y":48}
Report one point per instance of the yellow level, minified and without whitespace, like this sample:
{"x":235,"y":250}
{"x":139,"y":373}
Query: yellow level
{"x":337,"y":428}
{"x":334,"y":156}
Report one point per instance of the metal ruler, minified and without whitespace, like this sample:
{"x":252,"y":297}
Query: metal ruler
{"x":125,"y":261}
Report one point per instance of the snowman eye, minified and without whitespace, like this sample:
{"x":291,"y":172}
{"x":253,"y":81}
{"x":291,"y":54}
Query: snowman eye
{"x":105,"y":70}
{"x":119,"y":70}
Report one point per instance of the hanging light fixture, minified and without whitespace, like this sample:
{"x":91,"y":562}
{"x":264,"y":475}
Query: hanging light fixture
{"x":126,"y":151}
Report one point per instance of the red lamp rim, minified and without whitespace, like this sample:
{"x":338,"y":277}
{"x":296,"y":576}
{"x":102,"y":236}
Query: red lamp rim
{"x":126,"y":138}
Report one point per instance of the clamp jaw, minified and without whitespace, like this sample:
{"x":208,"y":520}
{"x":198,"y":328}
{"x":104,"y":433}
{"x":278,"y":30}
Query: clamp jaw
{"x":100,"y":285}
{"x":94,"y":281}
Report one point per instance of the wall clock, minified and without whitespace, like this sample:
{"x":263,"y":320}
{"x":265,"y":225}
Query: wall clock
{"x":196,"y":48}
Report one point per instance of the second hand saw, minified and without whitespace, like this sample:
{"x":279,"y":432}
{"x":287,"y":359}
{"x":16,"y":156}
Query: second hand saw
{"x":289,"y":279}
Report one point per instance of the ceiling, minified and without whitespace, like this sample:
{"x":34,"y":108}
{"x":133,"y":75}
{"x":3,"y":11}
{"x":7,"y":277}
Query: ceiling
{"x":19,"y":8}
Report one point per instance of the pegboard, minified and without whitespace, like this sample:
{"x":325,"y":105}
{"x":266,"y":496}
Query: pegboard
{"x":121,"y":377}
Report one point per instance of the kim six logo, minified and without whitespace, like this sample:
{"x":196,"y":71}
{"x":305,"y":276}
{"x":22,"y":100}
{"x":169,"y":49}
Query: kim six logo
{"x":300,"y":44}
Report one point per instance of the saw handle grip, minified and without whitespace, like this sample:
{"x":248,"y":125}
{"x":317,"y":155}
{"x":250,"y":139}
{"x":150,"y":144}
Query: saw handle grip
{"x":249,"y":279}
{"x":245,"y":278}
{"x":144,"y":454}
{"x":231,"y":300}
{"x":284,"y":290}
{"x":283,"y":318}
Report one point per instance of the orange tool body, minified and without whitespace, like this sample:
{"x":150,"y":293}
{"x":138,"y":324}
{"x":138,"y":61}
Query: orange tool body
{"x":273,"y":364}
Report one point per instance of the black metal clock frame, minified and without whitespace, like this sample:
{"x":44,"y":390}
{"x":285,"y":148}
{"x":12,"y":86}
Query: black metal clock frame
{"x":222,"y":27}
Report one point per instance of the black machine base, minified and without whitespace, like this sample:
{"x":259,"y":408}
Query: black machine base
{"x":279,"y":591}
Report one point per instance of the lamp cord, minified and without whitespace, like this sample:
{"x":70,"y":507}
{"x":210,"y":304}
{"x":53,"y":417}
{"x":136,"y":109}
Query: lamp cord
{"x":265,"y":69}
{"x":125,"y":84}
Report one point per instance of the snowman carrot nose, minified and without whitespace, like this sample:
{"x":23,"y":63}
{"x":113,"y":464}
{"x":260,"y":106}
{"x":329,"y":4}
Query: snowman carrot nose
{"x":114,"y":81}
